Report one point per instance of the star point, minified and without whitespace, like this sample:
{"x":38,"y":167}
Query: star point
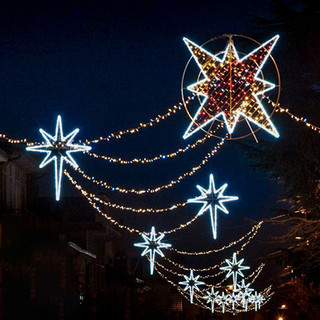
{"x":231,"y":87}
{"x":58,"y":148}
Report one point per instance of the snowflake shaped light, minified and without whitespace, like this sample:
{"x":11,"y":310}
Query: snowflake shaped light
{"x":231,"y":87}
{"x":213,"y":200}
{"x":234,"y":268}
{"x":191,"y":284}
{"x":58,"y":149}
{"x":257,"y":299}
{"x":245,"y":293}
{"x":152,"y":245}
{"x":223,"y":301}
{"x":211,"y":297}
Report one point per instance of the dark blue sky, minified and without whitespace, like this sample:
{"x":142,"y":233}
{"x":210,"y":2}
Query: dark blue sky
{"x":106,"y":67}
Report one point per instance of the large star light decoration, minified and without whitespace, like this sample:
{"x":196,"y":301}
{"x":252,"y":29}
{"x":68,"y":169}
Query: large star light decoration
{"x":231,"y":87}
{"x":58,"y":149}
{"x":152,"y":245}
{"x":191,"y":283}
{"x":213,"y":200}
{"x":234,"y":268}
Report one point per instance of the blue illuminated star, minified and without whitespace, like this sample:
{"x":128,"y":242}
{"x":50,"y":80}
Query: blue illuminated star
{"x":152,"y":245}
{"x":213,"y":200}
{"x":58,"y":149}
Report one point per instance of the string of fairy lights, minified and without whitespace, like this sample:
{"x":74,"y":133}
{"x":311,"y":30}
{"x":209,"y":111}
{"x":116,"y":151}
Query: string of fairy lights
{"x":218,"y":96}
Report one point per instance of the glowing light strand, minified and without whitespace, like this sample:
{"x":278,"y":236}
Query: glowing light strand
{"x":152,"y":122}
{"x":122,"y":226}
{"x":181,"y":266}
{"x":253,"y":231}
{"x":122,"y":207}
{"x":169,"y":185}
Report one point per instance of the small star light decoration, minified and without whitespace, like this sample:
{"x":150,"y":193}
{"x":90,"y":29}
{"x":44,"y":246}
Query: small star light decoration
{"x":241,"y":295}
{"x":234,"y":268}
{"x":58,"y":149}
{"x":231,"y":87}
{"x":152,"y":245}
{"x":212,"y":200}
{"x":191,"y":284}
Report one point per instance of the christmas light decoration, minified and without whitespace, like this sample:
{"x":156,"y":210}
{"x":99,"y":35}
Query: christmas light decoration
{"x":92,"y":202}
{"x":152,"y":245}
{"x":251,"y":234}
{"x":169,"y":185}
{"x":213,"y":200}
{"x":58,"y":149}
{"x":231,"y":87}
{"x":245,"y":293}
{"x":191,"y":284}
{"x":257,"y":299}
{"x":233,"y":299}
{"x":152,"y":122}
{"x":170,"y":155}
{"x":234,"y":268}
{"x":211,"y":297}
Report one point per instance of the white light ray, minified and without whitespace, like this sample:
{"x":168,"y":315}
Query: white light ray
{"x":58,"y":148}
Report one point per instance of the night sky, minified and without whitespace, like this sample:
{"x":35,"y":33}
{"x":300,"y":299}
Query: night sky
{"x":106,"y":67}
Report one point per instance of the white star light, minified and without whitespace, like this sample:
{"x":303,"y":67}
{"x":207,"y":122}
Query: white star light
{"x":58,"y":149}
{"x":245,"y":293}
{"x":191,"y":284}
{"x":223,"y":301}
{"x":211,"y":297}
{"x":152,"y":245}
{"x":234,"y":268}
{"x":233,"y":299}
{"x":213,"y":200}
{"x":257,"y":299}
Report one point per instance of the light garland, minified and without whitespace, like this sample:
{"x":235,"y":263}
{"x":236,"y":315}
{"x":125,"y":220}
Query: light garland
{"x":170,"y":155}
{"x":122,"y":226}
{"x":181,"y":266}
{"x":253,"y":231}
{"x":169,"y":185}
{"x":122,"y":207}
{"x":152,"y":122}
{"x":303,"y":120}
